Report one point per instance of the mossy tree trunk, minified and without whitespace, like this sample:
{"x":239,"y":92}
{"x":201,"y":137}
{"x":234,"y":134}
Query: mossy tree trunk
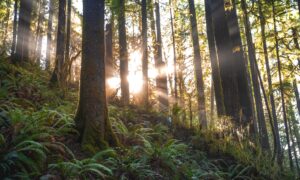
{"x":92,"y":115}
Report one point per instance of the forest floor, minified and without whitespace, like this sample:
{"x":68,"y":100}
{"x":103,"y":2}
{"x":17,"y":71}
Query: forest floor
{"x":38,"y":140}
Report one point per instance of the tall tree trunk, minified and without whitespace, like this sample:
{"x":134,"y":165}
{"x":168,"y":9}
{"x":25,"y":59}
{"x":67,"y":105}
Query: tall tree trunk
{"x":13,"y":47}
{"x":5,"y":27}
{"x":49,"y":35}
{"x":92,"y":115}
{"x":198,"y":67}
{"x":162,"y":86}
{"x":278,"y":150}
{"x":226,"y":64}
{"x":296,"y":95}
{"x":241,"y":64}
{"x":295,"y":126}
{"x":68,"y":35}
{"x":24,"y":32}
{"x":281,"y":87}
{"x":264,"y":140}
{"x":292,"y":118}
{"x":145,"y":91}
{"x":174,"y":52}
{"x":60,"y":46}
{"x":35,"y":48}
{"x":109,"y":69}
{"x":123,"y":54}
{"x":214,"y":61}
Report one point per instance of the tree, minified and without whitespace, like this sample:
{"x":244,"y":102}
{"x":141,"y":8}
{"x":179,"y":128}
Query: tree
{"x":226,"y":64}
{"x":270,"y":84}
{"x":296,"y":95}
{"x":264,"y":140}
{"x":123,"y":54}
{"x":49,"y":35}
{"x":161,"y":83}
{"x":68,"y":34}
{"x":13,"y":47}
{"x":145,"y":54}
{"x":241,"y":65}
{"x":24,"y":32}
{"x":174,"y":53}
{"x":92,"y":119}
{"x":109,"y":69}
{"x":281,"y":86}
{"x":57,"y":75}
{"x":197,"y":66}
{"x":218,"y":90}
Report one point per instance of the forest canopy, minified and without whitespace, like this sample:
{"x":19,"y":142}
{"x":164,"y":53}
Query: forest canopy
{"x":149,"y":89}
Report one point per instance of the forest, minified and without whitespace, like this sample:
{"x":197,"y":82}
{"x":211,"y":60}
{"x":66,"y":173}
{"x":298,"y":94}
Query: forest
{"x":149,"y":89}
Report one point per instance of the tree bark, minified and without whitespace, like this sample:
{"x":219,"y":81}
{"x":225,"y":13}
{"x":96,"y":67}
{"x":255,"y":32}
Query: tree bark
{"x":226,"y":64}
{"x":292,"y":118}
{"x":68,"y":35}
{"x":214,"y":61}
{"x":92,"y":118}
{"x":174,"y":53}
{"x":123,"y":55}
{"x":241,"y":64}
{"x":109,"y":69}
{"x":60,"y":44}
{"x":162,"y":86}
{"x":198,"y":67}
{"x":49,"y":35}
{"x":13,"y":47}
{"x":24,"y":32}
{"x":296,"y":95}
{"x":145,"y":93}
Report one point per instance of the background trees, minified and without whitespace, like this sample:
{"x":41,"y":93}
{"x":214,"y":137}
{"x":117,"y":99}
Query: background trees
{"x":248,"y":67}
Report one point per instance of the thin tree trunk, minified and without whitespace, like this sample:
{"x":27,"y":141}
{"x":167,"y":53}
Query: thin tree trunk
{"x":5,"y":27}
{"x":296,"y":95}
{"x":281,"y":88}
{"x":49,"y":35}
{"x":278,"y":150}
{"x":214,"y":61}
{"x":198,"y":67}
{"x":292,"y":118}
{"x":145,"y":91}
{"x":162,"y":86}
{"x":264,"y":140}
{"x":109,"y":69}
{"x":174,"y":53}
{"x":123,"y":55}
{"x":68,"y":35}
{"x":212,"y":104}
{"x":24,"y":32}
{"x":13,"y":47}
{"x":60,"y":46}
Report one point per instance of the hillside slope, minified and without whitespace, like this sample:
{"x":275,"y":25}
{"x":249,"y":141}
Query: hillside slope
{"x":38,"y":140}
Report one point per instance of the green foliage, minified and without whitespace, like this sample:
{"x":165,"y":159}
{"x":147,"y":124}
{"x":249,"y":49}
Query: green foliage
{"x":83,"y":169}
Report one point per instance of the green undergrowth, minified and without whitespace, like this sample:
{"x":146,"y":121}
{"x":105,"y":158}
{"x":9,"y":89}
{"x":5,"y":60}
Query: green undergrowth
{"x":38,"y":140}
